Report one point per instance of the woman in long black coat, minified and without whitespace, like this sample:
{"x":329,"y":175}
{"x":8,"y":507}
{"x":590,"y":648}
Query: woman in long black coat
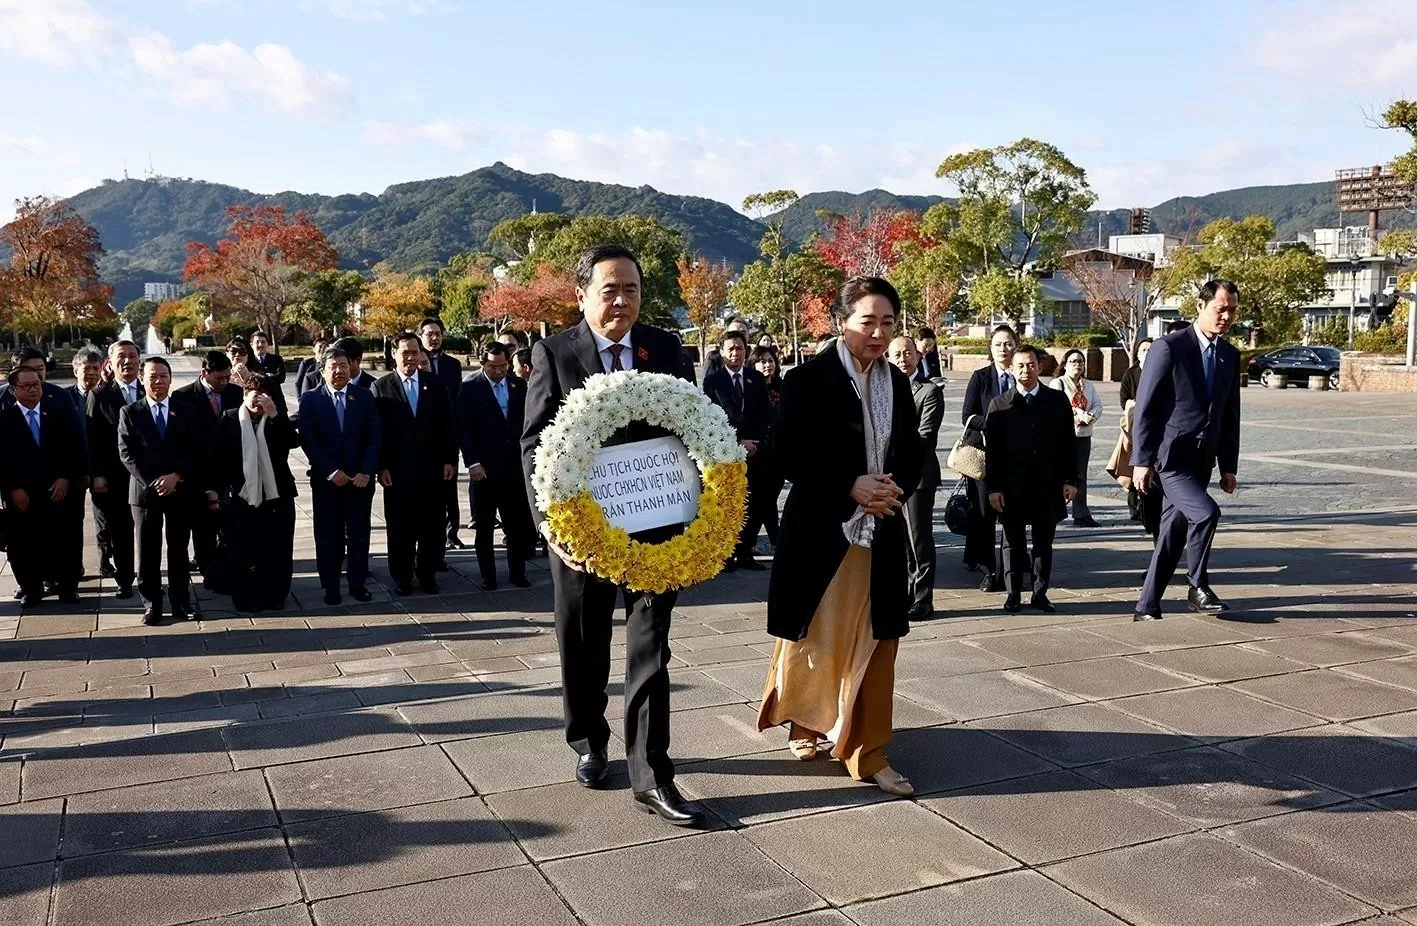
{"x":986,"y":383}
{"x":250,"y":478}
{"x":847,"y":440}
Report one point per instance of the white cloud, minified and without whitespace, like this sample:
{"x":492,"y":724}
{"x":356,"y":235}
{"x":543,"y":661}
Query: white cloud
{"x":214,"y":73}
{"x":24,"y":144}
{"x":56,"y":31}
{"x":379,"y":9}
{"x":448,"y":133}
{"x":1365,"y":45}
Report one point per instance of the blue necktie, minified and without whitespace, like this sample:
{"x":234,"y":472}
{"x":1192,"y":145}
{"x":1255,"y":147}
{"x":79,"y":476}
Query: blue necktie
{"x":499,"y":389}
{"x":1005,"y":382}
{"x":160,"y":421}
{"x":34,"y":424}
{"x":339,"y":409}
{"x":1210,"y":369}
{"x":412,"y":392}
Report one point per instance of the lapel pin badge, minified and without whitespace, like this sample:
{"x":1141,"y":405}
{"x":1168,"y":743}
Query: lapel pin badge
{"x":642,"y":353}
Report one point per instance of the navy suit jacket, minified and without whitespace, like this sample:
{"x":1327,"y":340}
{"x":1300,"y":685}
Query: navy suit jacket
{"x":58,"y":455}
{"x":449,"y":372}
{"x":63,"y":398}
{"x":354,"y":450}
{"x":148,"y":456}
{"x":307,"y":375}
{"x":752,"y":419}
{"x":415,"y":447}
{"x":1176,"y":425}
{"x":484,"y":433}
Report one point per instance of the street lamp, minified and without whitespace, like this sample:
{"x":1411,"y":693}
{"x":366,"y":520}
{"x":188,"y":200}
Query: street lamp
{"x":1354,"y":262}
{"x":1411,"y":298}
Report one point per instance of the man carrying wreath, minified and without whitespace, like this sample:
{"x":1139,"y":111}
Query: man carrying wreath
{"x":609,"y":285}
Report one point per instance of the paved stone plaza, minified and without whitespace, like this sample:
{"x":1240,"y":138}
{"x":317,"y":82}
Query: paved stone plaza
{"x":401,"y":762}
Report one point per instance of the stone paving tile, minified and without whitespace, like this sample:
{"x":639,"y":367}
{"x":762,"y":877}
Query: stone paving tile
{"x":275,"y":742}
{"x":746,"y":678}
{"x":31,"y":832}
{"x":114,"y":765}
{"x":986,"y":694}
{"x":389,"y":848}
{"x":1332,"y":649}
{"x":293,"y":915}
{"x":1101,"y":679}
{"x":772,"y":786}
{"x":689,"y":689}
{"x":1209,"y":787}
{"x":946,"y":758}
{"x":514,"y":760}
{"x":1404,"y":802}
{"x":483,"y":896}
{"x":723,"y":655}
{"x":568,"y":819}
{"x":24,"y":895}
{"x":1338,"y":757}
{"x":1036,"y":648}
{"x":207,"y":718}
{"x":1082,"y":734}
{"x":1401,"y":727}
{"x":1057,"y":815}
{"x":1220,"y":663}
{"x":1401,"y":672}
{"x":1215,"y":713}
{"x":1199,"y":880}
{"x":368,"y":781}
{"x":1330,"y":695}
{"x":815,"y":918}
{"x":1021,"y":898}
{"x":152,"y":814}
{"x":720,"y":732}
{"x":1175,"y":632}
{"x":1356,"y":847}
{"x":201,"y":879}
{"x":713,"y":879}
{"x":941,"y":658}
{"x":486,"y":715}
{"x":875,"y":851}
{"x":319,"y":703}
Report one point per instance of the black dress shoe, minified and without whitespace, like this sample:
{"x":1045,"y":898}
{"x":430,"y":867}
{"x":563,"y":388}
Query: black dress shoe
{"x":106,"y":570}
{"x":360,"y":593}
{"x":489,"y":585}
{"x":592,"y":769}
{"x":182,"y":613}
{"x":1041,"y":602}
{"x":332,"y":598}
{"x":152,"y":618}
{"x":69,"y":597}
{"x":670,"y":805}
{"x":1147,"y":616}
{"x":521,"y":582}
{"x":28,"y":599}
{"x":403,"y":589}
{"x":1201,"y":598}
{"x":1011,"y":603}
{"x":991,"y":583}
{"x":920,"y":613}
{"x":751,"y":565}
{"x":124,"y":591}
{"x":428,"y":588}
{"x":455,"y":544}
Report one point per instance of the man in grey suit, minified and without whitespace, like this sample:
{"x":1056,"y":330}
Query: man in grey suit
{"x":920,"y":506}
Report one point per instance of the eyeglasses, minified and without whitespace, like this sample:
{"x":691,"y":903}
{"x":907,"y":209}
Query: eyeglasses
{"x":26,"y":386}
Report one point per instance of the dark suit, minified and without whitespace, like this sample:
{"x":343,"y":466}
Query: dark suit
{"x":263,"y":535}
{"x":750,"y":416}
{"x":983,"y":388}
{"x":341,"y":513}
{"x":819,"y":442}
{"x":204,"y":521}
{"x":449,"y":372}
{"x":492,"y":439}
{"x":1029,"y":456}
{"x":929,"y":367}
{"x":919,"y":509}
{"x":365,"y":380}
{"x":585,"y":604}
{"x":113,"y":516}
{"x":45,"y":541}
{"x":148,"y":456}
{"x":270,"y":365}
{"x":414,"y":450}
{"x":1182,"y":429}
{"x":308,"y":375}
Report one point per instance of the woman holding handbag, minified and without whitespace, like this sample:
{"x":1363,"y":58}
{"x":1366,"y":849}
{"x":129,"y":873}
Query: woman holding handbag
{"x":1087,"y":409}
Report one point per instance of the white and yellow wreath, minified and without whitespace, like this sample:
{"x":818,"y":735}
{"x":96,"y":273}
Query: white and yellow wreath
{"x":566,"y":453}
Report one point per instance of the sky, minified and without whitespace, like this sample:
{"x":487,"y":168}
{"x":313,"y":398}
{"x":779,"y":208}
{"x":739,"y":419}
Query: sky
{"x":1153,"y":100}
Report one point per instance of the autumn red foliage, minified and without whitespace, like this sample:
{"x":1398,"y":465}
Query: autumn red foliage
{"x":53,"y":275}
{"x":867,"y":246}
{"x":550,"y":297}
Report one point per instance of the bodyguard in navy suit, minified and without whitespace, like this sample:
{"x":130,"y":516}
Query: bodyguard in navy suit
{"x":742,"y":393}
{"x":340,"y":433}
{"x":1187,"y":418}
{"x":159,"y":443}
{"x":448,"y":371}
{"x":419,"y":454}
{"x":491,"y":410}
{"x":208,"y":397}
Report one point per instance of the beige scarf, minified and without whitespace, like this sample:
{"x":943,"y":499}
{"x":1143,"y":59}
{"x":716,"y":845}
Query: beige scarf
{"x":260,"y":484}
{"x":873,"y":385}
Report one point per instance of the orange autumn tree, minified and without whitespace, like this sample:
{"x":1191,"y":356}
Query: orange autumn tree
{"x":52,"y":278}
{"x":549,"y":298}
{"x":258,"y":268}
{"x":703,"y":285}
{"x":395,"y":303}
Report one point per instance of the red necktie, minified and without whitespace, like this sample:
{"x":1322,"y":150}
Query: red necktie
{"x":615,"y":351}
{"x":216,"y":403}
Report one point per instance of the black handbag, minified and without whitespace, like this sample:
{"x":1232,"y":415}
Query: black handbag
{"x":958,"y":508}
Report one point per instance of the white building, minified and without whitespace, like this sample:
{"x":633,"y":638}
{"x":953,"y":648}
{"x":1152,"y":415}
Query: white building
{"x":161,"y":292}
{"x":1154,"y":247}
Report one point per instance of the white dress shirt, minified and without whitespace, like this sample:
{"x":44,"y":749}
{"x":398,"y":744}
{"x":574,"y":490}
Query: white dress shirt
{"x":627,"y":356}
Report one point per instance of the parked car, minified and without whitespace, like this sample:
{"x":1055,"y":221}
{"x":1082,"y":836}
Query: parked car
{"x":1298,"y":364}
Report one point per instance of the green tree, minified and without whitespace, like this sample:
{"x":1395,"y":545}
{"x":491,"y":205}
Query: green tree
{"x":1273,"y":284}
{"x":459,"y":286}
{"x":1017,"y":206}
{"x":771,"y":295}
{"x":327,"y":296}
{"x":137,"y":313}
{"x":516,"y":239}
